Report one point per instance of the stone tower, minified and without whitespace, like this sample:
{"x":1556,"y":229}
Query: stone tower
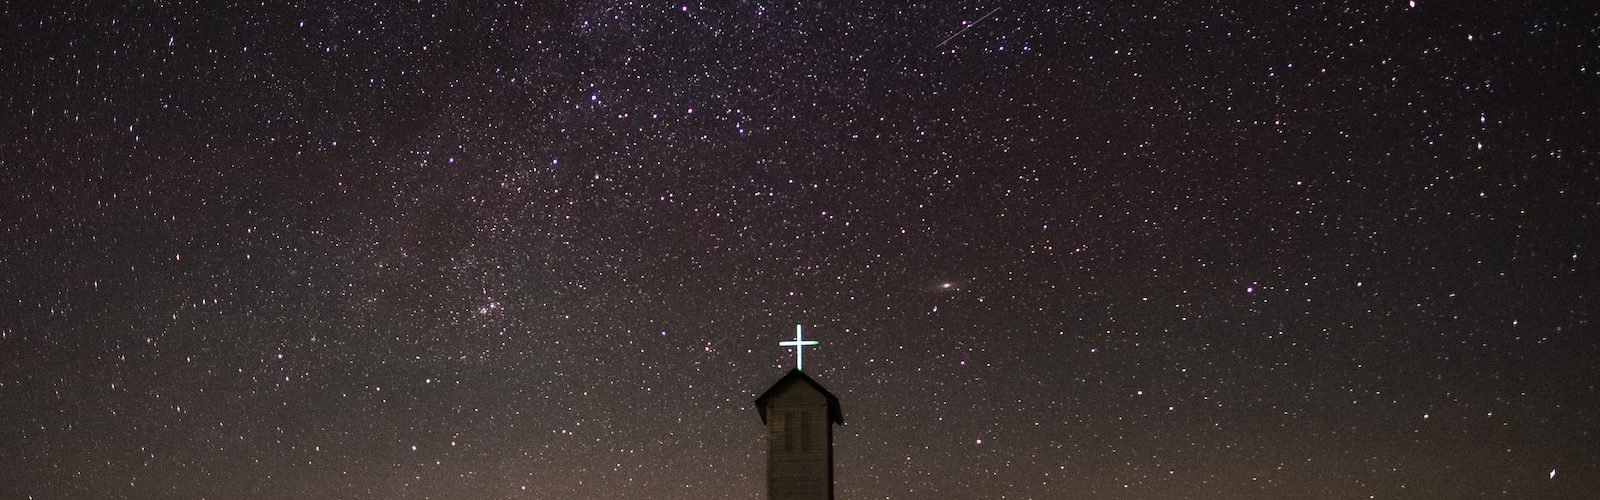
{"x":799,"y":415}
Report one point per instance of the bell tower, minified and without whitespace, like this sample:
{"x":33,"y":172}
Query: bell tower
{"x":799,"y":415}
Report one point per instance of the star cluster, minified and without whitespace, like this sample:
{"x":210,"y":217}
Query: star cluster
{"x":1050,"y":250}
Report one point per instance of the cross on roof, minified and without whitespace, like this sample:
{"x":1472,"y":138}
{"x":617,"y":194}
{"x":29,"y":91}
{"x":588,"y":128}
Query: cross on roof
{"x":798,"y":343}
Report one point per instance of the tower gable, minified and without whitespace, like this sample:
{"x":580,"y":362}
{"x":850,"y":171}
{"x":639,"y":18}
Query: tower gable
{"x":796,"y":387}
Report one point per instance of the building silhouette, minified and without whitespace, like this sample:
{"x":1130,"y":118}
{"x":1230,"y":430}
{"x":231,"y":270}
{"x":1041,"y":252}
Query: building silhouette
{"x":799,"y":415}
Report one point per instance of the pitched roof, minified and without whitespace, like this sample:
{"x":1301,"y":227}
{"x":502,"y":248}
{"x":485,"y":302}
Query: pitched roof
{"x":795,"y":376}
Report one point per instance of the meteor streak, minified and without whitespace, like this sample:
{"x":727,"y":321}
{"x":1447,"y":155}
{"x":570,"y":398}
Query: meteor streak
{"x":969,"y":26}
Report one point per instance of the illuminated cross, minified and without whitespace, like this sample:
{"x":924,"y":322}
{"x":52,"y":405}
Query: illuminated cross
{"x":798,"y":343}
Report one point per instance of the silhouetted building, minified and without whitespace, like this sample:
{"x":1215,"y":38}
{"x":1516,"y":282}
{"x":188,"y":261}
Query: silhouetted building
{"x":799,"y":414}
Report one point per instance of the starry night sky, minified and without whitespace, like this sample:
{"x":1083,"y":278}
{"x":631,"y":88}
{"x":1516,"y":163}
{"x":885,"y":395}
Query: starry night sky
{"x":518,"y":250}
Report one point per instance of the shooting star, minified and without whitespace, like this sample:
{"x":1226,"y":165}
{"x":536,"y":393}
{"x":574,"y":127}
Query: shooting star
{"x":969,"y":26}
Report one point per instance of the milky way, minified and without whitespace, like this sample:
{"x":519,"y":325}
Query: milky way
{"x":517,"y":250}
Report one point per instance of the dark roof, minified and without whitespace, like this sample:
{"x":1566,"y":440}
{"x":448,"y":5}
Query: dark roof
{"x":795,"y":376}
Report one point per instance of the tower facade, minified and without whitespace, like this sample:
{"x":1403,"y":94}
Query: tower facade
{"x":799,"y":415}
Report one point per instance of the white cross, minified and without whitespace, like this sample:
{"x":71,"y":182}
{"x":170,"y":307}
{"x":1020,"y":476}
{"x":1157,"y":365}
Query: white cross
{"x":798,"y":343}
